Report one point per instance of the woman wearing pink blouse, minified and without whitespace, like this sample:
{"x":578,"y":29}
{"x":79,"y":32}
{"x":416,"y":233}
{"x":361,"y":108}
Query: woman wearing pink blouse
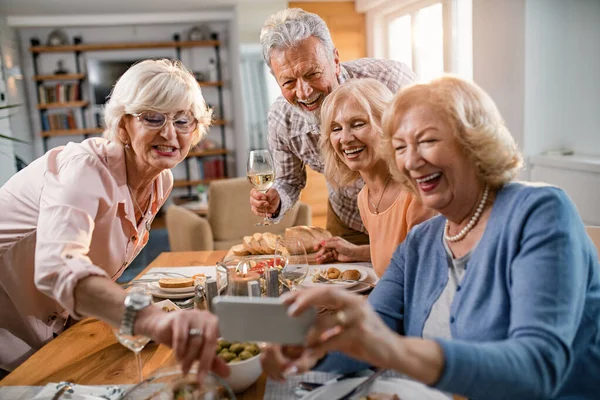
{"x":74,"y":219}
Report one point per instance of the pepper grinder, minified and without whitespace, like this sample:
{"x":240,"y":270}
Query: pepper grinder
{"x":211,"y":291}
{"x":272,"y":275}
{"x":200,"y":302}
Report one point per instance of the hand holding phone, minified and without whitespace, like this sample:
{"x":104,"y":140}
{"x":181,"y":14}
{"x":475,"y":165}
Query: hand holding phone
{"x":261,"y":319}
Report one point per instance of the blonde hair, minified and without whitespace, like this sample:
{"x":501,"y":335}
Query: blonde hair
{"x":157,"y":85}
{"x":370,"y":95}
{"x":474,"y":120}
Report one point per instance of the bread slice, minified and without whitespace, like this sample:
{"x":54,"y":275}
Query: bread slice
{"x":175,"y":282}
{"x":247,"y":243}
{"x":270,"y":242}
{"x":256,"y":243}
{"x":240,"y":250}
{"x":310,"y":235}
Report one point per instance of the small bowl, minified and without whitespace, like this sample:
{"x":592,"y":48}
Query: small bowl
{"x":244,"y":373}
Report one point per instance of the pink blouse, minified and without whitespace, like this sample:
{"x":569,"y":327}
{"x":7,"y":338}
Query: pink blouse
{"x":66,"y":216}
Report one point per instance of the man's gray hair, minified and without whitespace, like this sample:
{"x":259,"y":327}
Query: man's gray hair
{"x":286,"y":28}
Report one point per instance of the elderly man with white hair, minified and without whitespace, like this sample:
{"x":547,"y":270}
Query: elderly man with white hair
{"x":298,"y":49}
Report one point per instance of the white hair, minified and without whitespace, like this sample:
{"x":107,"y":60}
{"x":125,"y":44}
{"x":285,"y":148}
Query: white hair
{"x":286,"y":28}
{"x":156,"y":85}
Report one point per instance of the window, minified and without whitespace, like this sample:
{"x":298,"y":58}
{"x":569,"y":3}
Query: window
{"x":430,"y":36}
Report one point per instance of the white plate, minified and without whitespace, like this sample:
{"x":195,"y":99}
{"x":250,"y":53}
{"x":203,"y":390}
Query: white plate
{"x":342,"y":267}
{"x":156,"y":273}
{"x":168,"y":304}
{"x":405,"y":389}
{"x":156,"y":286}
{"x":165,"y":295}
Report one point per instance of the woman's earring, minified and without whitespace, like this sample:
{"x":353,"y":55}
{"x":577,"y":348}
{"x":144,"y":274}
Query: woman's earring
{"x":127,"y":146}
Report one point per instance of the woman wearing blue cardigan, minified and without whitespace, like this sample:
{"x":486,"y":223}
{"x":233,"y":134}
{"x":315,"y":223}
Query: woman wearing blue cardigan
{"x":496,"y":298}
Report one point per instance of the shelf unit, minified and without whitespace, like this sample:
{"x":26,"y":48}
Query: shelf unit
{"x":80,"y":77}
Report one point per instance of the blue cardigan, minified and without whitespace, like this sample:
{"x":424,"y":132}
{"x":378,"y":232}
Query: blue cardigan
{"x":525,"y":320}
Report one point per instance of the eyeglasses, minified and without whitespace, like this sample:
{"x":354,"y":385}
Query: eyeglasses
{"x":184,"y":122}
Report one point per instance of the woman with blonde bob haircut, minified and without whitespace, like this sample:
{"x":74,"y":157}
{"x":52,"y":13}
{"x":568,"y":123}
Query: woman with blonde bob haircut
{"x":497,"y":297}
{"x":84,"y":212}
{"x":351,"y":144}
{"x":475,"y":121}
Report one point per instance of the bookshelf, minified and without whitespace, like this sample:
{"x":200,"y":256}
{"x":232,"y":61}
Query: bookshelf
{"x":62,"y":105}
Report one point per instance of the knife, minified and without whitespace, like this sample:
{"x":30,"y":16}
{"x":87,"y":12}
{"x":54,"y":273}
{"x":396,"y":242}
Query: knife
{"x":364,"y":385}
{"x":308,"y":386}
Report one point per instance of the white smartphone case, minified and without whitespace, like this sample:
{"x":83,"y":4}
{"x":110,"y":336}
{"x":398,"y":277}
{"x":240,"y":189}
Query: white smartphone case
{"x":261,"y":319}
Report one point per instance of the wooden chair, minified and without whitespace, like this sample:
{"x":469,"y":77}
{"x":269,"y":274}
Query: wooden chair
{"x":594,"y":233}
{"x":229,"y":219}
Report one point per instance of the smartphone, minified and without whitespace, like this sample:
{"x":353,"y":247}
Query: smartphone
{"x":261,"y":319}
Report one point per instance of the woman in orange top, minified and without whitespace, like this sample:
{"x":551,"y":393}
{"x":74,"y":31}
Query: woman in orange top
{"x":351,"y":141}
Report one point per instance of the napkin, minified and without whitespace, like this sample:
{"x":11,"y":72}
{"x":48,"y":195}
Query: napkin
{"x":80,"y":392}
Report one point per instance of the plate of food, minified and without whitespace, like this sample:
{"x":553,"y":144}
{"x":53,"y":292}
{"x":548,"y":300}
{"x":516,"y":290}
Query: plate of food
{"x":341,"y":275}
{"x":381,"y":389}
{"x":179,"y":282}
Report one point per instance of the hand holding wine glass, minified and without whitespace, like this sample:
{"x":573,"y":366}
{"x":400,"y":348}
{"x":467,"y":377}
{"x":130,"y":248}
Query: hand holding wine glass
{"x":261,"y":174}
{"x":135,"y":343}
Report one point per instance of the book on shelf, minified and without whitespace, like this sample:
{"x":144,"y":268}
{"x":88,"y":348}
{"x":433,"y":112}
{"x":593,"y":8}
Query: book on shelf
{"x":211,"y":169}
{"x":59,"y":93}
{"x":58,"y":120}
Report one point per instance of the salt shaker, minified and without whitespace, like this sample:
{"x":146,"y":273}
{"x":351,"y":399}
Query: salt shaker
{"x":211,"y":291}
{"x":200,"y":302}
{"x":272,"y":275}
{"x":253,"y":289}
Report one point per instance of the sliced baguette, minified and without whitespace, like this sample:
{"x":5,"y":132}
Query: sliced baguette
{"x":270,"y":240}
{"x":247,"y":243}
{"x":255,"y":243}
{"x":175,"y":282}
{"x":240,"y":250}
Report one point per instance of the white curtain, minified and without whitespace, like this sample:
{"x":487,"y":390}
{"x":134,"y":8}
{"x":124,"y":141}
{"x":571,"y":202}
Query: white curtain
{"x":255,"y":99}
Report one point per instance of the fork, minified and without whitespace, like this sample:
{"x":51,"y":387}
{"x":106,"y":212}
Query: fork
{"x":321,"y":279}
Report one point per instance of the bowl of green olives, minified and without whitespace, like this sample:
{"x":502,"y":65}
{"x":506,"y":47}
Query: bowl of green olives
{"x":243,"y":359}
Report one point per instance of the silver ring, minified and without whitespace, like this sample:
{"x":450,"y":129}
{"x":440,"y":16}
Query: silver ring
{"x":195,"y":332}
{"x":341,"y":318}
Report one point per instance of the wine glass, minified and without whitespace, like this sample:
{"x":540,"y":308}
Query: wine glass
{"x":295,"y":261}
{"x":261,"y":174}
{"x":134,"y":343}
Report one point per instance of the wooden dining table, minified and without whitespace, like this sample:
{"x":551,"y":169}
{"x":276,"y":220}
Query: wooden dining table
{"x":89,"y":354}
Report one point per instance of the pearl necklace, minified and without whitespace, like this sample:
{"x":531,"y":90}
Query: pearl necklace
{"x":464,"y":231}
{"x":376,"y":207}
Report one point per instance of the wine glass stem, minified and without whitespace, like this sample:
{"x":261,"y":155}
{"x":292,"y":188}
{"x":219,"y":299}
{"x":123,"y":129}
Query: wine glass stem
{"x":138,"y":357}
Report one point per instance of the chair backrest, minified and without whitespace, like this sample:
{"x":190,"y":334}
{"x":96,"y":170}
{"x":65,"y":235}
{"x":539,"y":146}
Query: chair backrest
{"x":187,"y":231}
{"x":229,"y":211}
{"x":594,"y":233}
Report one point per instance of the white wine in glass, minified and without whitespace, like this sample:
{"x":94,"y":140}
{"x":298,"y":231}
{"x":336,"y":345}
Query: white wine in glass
{"x":295,"y":268}
{"x":261,"y":174}
{"x":135,"y":343}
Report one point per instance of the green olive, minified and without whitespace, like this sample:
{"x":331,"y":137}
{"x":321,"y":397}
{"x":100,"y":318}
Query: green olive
{"x":224,"y":343}
{"x":244,"y":355}
{"x":235,"y":360}
{"x":252,"y":348}
{"x":236,"y":348}
{"x":227,"y":356}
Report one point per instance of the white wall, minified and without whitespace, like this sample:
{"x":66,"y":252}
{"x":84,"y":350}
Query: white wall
{"x":562,"y":76}
{"x":251,"y":18}
{"x":499,"y":57}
